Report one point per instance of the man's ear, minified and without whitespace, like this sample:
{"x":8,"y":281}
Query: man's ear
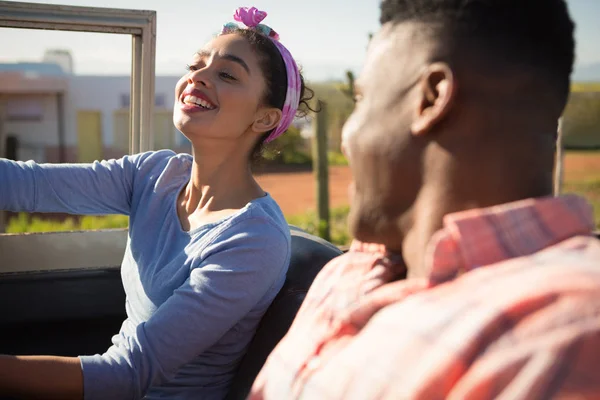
{"x":266,"y":119}
{"x":436,"y":97}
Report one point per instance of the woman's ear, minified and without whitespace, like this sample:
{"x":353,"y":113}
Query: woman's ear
{"x":267,"y":119}
{"x":437,"y":96}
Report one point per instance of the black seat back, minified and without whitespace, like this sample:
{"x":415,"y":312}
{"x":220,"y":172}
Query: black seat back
{"x":309,"y":255}
{"x":70,"y":313}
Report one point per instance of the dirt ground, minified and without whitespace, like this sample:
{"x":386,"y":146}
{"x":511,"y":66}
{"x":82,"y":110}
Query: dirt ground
{"x":582,"y":165}
{"x":296,"y":191}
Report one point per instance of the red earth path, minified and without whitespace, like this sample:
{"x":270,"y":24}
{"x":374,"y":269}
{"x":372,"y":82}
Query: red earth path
{"x":296,"y":191}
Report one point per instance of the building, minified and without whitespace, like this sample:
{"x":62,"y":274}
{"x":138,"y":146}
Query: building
{"x":31,"y":101}
{"x":48,"y":114}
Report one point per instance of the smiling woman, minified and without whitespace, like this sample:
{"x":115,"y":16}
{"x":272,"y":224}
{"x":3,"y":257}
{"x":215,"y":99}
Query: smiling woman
{"x":208,"y":248}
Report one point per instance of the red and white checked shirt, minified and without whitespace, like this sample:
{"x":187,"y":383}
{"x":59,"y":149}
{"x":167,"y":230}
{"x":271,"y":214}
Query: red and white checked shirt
{"x":510,"y":310}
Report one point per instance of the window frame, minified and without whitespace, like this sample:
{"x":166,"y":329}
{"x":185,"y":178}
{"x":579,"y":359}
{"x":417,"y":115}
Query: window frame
{"x":89,"y":249}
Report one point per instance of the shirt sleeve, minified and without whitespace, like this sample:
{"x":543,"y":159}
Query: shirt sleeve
{"x":236,"y":273}
{"x":99,"y":188}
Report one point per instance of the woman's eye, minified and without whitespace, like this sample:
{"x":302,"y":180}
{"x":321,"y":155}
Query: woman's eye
{"x":225,"y":75}
{"x":191,"y":68}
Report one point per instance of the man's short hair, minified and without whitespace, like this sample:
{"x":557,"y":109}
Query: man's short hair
{"x":524,"y":33}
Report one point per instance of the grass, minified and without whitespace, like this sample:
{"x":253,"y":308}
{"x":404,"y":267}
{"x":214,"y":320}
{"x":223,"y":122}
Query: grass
{"x":581,"y":119}
{"x":23,"y":223}
{"x":585,"y":87}
{"x":338,"y":217}
{"x":582,"y":176}
{"x":336,"y":158}
{"x":590,"y":189}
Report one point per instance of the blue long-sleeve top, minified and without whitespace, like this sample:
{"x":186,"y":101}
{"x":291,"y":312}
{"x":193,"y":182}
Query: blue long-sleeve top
{"x":193,"y":299}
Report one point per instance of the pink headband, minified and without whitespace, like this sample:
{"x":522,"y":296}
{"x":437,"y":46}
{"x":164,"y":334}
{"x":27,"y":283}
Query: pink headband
{"x":251,"y":17}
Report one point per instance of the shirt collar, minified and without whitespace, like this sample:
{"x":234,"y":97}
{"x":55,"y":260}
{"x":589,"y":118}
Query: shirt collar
{"x":480,"y":237}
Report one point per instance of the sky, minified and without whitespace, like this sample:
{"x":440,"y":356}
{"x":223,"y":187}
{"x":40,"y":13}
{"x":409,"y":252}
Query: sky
{"x":327,"y":37}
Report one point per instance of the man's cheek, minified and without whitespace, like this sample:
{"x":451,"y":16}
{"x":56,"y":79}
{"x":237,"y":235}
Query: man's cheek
{"x":351,"y":191}
{"x":351,"y":128}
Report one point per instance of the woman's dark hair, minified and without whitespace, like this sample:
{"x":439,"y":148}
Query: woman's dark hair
{"x":275,"y":75}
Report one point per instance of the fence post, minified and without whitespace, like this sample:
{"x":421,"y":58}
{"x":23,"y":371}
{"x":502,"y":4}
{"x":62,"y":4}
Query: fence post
{"x":560,"y":159}
{"x":2,"y":155}
{"x":321,"y":170}
{"x":349,"y":89}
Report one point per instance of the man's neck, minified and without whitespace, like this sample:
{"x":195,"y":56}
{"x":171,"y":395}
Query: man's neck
{"x":437,"y":201}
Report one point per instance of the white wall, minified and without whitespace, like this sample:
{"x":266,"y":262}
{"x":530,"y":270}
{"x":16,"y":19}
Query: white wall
{"x":103,"y":93}
{"x":96,"y":93}
{"x":33,"y":135}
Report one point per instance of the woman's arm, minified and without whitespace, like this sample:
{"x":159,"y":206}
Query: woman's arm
{"x":233,"y":278}
{"x":98,"y":188}
{"x":41,"y":377}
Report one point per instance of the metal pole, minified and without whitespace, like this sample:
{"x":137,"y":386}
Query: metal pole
{"x":2,"y":133}
{"x":136,"y":95}
{"x":321,"y":171}
{"x":2,"y":155}
{"x":60,"y":111}
{"x":148,"y":57}
{"x":560,"y":160}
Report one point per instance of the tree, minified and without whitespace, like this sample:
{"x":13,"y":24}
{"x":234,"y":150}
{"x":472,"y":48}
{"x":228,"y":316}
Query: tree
{"x":581,"y":120}
{"x":349,"y":88}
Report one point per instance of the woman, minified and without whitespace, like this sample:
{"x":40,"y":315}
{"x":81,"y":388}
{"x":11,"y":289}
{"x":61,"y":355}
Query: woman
{"x":208,"y":249}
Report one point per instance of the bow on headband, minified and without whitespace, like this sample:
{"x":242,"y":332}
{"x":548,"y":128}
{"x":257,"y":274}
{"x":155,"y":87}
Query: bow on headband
{"x":252,"y":18}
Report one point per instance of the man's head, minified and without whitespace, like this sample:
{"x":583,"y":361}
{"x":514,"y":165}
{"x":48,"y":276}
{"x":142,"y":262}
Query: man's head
{"x":457,"y":108}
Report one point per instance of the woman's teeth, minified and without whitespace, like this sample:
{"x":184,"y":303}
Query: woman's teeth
{"x":199,"y":102}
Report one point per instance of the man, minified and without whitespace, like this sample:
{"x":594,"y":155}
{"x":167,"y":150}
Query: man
{"x":452,"y":148}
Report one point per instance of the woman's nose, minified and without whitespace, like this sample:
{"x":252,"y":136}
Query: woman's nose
{"x":198,"y":77}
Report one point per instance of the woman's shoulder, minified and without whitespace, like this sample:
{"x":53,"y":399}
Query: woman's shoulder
{"x":264,"y":213}
{"x":159,"y":166}
{"x":260,"y":221}
{"x":159,"y":158}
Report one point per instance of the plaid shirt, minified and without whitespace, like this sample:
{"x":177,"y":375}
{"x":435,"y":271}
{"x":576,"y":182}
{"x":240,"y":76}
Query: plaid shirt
{"x":510,"y":309}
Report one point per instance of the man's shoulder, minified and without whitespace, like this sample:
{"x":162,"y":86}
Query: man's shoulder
{"x":348,"y":265}
{"x":351,"y":273}
{"x":577,"y":253}
{"x":513,"y":289}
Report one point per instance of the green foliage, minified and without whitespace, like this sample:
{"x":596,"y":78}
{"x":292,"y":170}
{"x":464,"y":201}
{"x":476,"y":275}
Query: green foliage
{"x":590,"y":189}
{"x":90,"y":222}
{"x":24,"y":224}
{"x":349,"y":89}
{"x":338,"y":225}
{"x":585,"y":87}
{"x":333,"y":95}
{"x":287,"y":149}
{"x":336,"y":158}
{"x":322,"y":229}
{"x":340,"y":103}
{"x":296,"y":157}
{"x":581,"y":121}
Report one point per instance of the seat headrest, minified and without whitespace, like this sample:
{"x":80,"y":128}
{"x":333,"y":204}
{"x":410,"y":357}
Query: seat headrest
{"x":309,"y":255}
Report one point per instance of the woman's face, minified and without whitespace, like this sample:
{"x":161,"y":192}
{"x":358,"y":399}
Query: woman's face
{"x":221,"y":95}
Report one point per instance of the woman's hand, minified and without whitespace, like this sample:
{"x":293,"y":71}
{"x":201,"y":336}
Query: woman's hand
{"x":43,"y":377}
